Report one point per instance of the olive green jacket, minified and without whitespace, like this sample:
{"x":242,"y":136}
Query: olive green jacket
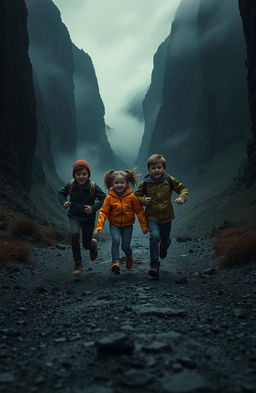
{"x":161,"y":209}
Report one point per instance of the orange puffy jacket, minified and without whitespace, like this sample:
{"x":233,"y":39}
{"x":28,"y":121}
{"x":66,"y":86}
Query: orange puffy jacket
{"x":121,"y":211}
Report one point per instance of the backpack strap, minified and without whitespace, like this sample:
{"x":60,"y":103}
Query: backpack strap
{"x":70,"y":186}
{"x":92,"y":188}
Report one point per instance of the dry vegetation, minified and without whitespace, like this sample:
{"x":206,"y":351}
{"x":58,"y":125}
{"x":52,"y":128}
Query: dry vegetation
{"x":236,"y":244}
{"x":22,"y":235}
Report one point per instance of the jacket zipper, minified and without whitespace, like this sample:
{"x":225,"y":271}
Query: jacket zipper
{"x":121,"y":200}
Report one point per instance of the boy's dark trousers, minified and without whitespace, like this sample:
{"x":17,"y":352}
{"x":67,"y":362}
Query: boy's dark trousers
{"x":87,"y":232}
{"x":158,"y":233}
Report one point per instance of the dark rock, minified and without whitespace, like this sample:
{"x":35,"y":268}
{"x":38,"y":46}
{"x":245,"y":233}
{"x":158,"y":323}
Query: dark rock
{"x":156,"y":346}
{"x":116,"y":343}
{"x":134,"y":378}
{"x":181,"y":280}
{"x":187,"y":362}
{"x":159,"y":311}
{"x":59,"y":340}
{"x":210,"y":271}
{"x":184,"y":383}
{"x":41,"y":290}
{"x":60,"y":247}
{"x":6,"y":377}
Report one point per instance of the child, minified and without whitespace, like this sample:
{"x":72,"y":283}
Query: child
{"x":155,"y":193}
{"x":82,"y":210}
{"x":119,"y":208}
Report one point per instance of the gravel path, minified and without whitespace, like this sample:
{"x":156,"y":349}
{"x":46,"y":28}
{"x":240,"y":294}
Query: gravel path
{"x":193,"y":330}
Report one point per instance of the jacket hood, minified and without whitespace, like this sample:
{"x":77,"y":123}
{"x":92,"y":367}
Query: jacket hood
{"x":114,"y":194}
{"x":149,"y":179}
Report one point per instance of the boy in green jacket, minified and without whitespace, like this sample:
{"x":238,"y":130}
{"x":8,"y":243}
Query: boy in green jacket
{"x":155,"y":193}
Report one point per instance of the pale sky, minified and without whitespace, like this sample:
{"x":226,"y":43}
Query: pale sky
{"x":121,"y":36}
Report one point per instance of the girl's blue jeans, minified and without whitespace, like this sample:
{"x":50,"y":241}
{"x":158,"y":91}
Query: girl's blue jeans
{"x":158,"y":233}
{"x":123,"y":234}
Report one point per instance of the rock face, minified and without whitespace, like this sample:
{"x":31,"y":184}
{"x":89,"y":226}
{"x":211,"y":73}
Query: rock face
{"x":153,"y":101}
{"x":202,"y":124}
{"x":248,"y":13}
{"x":52,"y":59}
{"x":92,"y":141}
{"x":17,"y":101}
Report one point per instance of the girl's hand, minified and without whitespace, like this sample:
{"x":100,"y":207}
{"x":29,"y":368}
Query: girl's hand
{"x":99,"y":230}
{"x":179,"y":201}
{"x":87,"y":209}
{"x":147,"y":201}
{"x":66,"y":204}
{"x":145,"y":231}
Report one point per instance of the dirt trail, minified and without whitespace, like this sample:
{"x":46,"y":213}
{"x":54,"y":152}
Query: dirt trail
{"x":193,"y":330}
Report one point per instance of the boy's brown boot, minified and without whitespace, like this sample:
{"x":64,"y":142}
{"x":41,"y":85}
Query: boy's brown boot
{"x":154,"y":272}
{"x":78,"y":267}
{"x":115,"y":267}
{"x":129,"y":261}
{"x":93,"y":250}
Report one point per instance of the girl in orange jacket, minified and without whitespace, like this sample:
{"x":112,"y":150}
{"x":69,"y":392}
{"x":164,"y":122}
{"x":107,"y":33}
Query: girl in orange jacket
{"x":120,"y":207}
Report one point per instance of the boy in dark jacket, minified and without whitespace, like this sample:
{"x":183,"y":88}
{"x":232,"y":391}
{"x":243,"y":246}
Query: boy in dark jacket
{"x":155,"y":193}
{"x":85,"y":199}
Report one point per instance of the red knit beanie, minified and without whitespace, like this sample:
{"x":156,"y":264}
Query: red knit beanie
{"x":81,"y":163}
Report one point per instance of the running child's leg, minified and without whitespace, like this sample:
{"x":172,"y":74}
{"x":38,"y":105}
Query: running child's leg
{"x":165,"y":232}
{"x":88,"y":242}
{"x":154,"y":240}
{"x":75,"y":244}
{"x":115,"y":252}
{"x":126,"y":236}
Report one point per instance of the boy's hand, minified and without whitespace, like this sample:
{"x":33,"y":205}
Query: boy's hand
{"x":145,"y":231}
{"x":147,"y":201}
{"x":179,"y":201}
{"x":99,"y":230}
{"x":87,"y":209}
{"x":66,"y":204}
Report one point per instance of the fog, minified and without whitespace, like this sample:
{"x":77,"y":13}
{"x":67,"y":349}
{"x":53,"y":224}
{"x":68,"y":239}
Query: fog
{"x":121,"y":37}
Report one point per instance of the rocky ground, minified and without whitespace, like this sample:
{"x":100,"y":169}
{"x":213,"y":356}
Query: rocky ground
{"x":193,"y":330}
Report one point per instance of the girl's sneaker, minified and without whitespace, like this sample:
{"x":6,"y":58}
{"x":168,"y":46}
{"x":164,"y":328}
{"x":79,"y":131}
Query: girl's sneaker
{"x":115,"y":267}
{"x":129,"y":261}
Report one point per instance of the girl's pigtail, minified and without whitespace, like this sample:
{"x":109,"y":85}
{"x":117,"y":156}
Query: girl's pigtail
{"x":131,"y":177}
{"x":108,"y":180}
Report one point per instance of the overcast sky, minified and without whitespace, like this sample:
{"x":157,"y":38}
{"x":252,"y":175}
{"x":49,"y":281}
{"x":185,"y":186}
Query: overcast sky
{"x":121,"y":36}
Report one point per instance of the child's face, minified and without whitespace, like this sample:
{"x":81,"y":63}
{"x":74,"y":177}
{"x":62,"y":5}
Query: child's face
{"x":81,"y":176}
{"x":156,"y":170}
{"x":119,"y":184}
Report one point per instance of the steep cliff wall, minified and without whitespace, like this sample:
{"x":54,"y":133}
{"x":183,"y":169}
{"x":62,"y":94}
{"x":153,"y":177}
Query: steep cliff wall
{"x":202,"y":125}
{"x":18,"y":129}
{"x":52,"y":59}
{"x":153,"y":101}
{"x":248,"y":13}
{"x":92,"y":141}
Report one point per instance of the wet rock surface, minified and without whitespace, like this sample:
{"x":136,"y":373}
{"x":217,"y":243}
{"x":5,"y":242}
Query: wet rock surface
{"x":193,"y":330}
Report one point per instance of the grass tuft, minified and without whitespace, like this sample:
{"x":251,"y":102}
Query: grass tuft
{"x":14,"y":251}
{"x":236,"y":245}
